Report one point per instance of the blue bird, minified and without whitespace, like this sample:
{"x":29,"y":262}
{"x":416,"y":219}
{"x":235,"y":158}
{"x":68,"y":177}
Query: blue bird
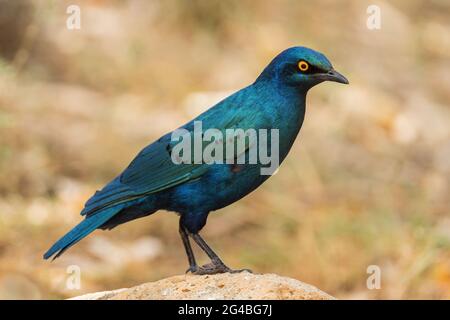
{"x":152,"y":181}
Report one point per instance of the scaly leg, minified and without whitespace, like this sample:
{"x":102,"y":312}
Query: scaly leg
{"x":216,"y":265}
{"x":193,"y":267}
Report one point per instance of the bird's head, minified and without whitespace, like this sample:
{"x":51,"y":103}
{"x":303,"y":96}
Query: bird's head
{"x":302,"y":68}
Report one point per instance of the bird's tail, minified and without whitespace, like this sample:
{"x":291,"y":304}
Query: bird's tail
{"x":82,"y":230}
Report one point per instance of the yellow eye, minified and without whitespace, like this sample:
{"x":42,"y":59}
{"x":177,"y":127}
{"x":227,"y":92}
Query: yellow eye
{"x":303,"y":66}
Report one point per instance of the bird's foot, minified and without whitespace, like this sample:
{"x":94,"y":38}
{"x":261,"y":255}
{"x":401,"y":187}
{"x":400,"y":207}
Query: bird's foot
{"x":214,"y":268}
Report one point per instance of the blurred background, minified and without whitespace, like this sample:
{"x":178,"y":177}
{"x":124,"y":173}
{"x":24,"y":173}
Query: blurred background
{"x":367,"y":182}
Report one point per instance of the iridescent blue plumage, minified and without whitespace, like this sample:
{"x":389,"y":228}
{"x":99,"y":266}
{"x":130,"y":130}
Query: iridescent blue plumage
{"x":276,"y":100}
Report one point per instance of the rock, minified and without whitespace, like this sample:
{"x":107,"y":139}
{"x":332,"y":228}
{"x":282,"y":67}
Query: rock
{"x":227,"y":286}
{"x":101,"y":295}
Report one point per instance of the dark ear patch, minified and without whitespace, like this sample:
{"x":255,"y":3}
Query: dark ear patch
{"x":313,"y":69}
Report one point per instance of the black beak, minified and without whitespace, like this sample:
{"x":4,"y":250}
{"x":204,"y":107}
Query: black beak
{"x":335,"y":76}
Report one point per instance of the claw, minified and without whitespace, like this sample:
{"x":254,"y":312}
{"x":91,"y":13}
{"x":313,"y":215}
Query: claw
{"x":241,"y":270}
{"x":192,"y":269}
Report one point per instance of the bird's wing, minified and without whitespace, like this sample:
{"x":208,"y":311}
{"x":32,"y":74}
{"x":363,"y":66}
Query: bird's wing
{"x":153,"y":170}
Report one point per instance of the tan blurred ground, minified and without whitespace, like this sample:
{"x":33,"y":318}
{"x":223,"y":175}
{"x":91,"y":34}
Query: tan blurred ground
{"x":367,"y":182}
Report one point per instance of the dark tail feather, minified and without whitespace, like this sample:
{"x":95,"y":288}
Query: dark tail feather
{"x":81,"y":230}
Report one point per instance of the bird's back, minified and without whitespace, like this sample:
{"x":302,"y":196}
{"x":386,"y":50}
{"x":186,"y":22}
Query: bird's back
{"x":259,"y":106}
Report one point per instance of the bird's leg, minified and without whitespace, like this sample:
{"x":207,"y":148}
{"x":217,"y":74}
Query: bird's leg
{"x":216,"y":265}
{"x":193,"y":267}
{"x":215,"y":260}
